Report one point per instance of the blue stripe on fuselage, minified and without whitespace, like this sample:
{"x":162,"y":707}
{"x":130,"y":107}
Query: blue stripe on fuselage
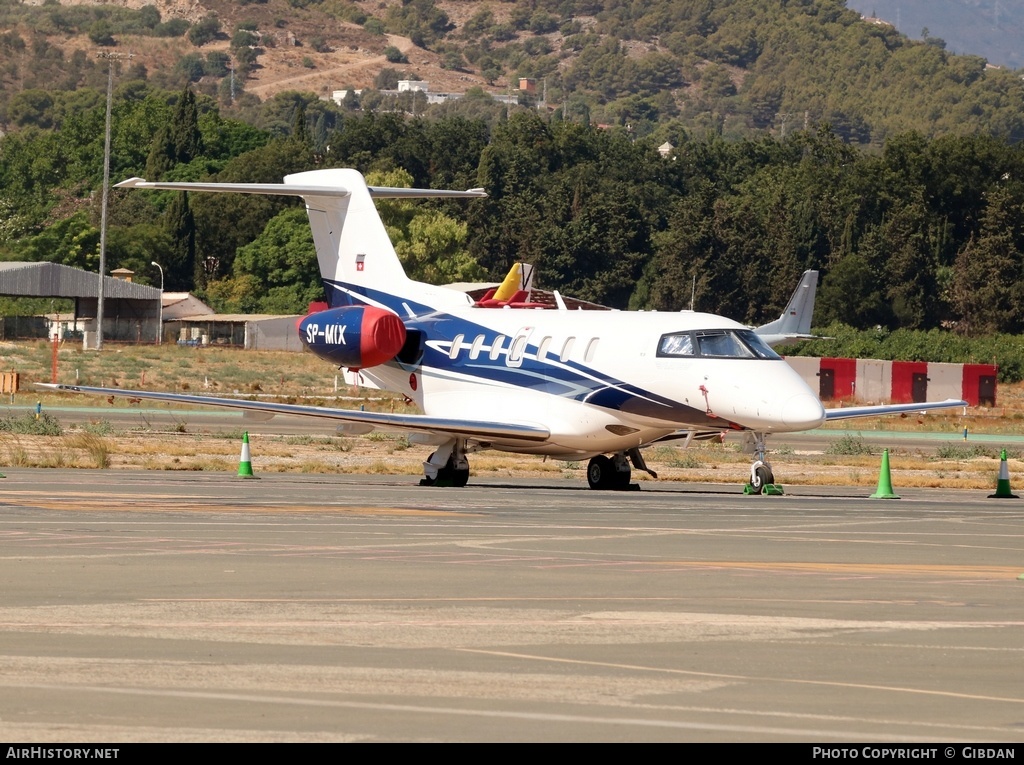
{"x":568,"y":379}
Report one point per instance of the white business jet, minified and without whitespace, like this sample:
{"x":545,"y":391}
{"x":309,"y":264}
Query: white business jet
{"x":513,"y":375}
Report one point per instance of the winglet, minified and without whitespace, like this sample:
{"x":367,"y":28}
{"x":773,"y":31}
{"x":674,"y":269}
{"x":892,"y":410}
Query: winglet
{"x":131,"y":183}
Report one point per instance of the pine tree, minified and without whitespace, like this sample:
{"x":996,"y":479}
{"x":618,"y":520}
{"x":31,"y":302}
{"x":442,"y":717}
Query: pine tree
{"x":185,"y":134}
{"x":161,"y":155}
{"x":181,"y":263}
{"x":988,"y":277}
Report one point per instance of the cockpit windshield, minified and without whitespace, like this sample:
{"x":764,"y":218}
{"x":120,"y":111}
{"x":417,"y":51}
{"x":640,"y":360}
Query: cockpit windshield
{"x":715,"y":343}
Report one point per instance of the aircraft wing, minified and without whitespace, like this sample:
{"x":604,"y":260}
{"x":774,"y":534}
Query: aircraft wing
{"x":849,"y":412}
{"x":526,"y":431}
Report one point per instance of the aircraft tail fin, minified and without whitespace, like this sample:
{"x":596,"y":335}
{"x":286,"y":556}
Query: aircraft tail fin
{"x":795,"y":322}
{"x":357,"y":260}
{"x":518,"y":279}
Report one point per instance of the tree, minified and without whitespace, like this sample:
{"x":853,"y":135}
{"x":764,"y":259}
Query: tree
{"x":988,"y":276}
{"x":161,"y":155}
{"x":283,"y":262}
{"x":216,"y":240}
{"x":394,"y":55}
{"x":180,"y":270}
{"x":433,"y":250}
{"x":852,"y":294}
{"x":71,"y":242}
{"x":205,"y":30}
{"x":185,"y":133}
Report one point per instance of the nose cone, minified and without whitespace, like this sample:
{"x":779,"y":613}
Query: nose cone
{"x":803,"y":412}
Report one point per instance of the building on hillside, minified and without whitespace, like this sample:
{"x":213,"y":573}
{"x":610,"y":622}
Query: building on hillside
{"x":423,"y":86}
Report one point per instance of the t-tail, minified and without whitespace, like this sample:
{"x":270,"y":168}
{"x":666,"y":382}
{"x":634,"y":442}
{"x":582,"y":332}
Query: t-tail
{"x":358,"y":262}
{"x":795,"y":322}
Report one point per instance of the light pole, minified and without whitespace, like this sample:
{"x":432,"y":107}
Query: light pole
{"x":160,"y":313}
{"x":111,"y":58}
{"x":103,"y":213}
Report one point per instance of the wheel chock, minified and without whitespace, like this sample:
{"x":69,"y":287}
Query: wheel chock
{"x":769,"y":489}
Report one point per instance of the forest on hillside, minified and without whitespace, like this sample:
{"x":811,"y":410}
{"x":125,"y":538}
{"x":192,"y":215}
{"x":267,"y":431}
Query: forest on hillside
{"x":923,"y":230}
{"x":927,"y":233}
{"x":738,"y":68}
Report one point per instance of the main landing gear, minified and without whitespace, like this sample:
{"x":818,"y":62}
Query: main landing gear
{"x":447,"y":466}
{"x":762,"y":479}
{"x":614,"y":472}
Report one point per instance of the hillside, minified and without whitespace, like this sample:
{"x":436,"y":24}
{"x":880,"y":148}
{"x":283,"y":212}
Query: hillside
{"x":303,"y":48}
{"x":736,"y":67}
{"x":987,"y":28}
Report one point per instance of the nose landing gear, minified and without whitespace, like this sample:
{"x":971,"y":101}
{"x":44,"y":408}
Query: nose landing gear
{"x":762,"y":479}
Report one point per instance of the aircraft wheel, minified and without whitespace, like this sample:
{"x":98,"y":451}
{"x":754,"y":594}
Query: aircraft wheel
{"x":448,"y":475}
{"x":460,"y":478}
{"x":621,"y":478}
{"x":600,"y":472}
{"x":762,"y":477}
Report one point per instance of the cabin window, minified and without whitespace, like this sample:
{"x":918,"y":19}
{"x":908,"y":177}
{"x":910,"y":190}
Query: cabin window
{"x":456,"y":345}
{"x":515,"y":351}
{"x":542,"y":349}
{"x":591,"y":349}
{"x":474,"y":350}
{"x":496,"y":346}
{"x":722,"y":344}
{"x":756,"y":343}
{"x":678,"y":344}
{"x":715,"y":343}
{"x":566,"y":349}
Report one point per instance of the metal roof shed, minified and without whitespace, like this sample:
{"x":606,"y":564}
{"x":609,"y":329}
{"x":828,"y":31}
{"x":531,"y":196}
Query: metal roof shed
{"x":131,"y":311}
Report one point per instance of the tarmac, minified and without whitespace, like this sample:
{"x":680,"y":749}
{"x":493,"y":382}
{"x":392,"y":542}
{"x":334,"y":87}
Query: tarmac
{"x":173,"y":607}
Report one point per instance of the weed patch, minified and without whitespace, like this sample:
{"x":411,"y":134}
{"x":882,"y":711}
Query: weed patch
{"x":30,"y":425}
{"x":849,"y":445}
{"x":964,"y":451}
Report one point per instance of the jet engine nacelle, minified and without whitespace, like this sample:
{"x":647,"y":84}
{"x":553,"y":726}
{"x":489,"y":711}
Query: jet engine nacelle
{"x":353,"y":336}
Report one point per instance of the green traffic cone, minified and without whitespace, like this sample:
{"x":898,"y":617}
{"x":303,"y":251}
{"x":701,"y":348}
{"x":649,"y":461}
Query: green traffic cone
{"x":884,"y":490}
{"x":245,"y":463}
{"x":1003,"y":483}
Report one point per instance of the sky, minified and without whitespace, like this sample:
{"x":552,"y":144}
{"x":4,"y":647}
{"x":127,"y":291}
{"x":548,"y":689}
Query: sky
{"x":993,"y":29}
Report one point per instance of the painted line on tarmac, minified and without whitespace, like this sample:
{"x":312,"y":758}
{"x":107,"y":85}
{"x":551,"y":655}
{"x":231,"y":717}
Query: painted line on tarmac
{"x":749,"y":678}
{"x":135,"y":502}
{"x":544,"y":717}
{"x":864,"y":569}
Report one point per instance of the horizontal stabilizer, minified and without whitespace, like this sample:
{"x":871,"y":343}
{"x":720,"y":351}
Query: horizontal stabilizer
{"x":296,"y":190}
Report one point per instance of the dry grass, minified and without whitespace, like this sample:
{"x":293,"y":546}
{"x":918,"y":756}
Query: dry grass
{"x":273,"y":453}
{"x":853,"y":459}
